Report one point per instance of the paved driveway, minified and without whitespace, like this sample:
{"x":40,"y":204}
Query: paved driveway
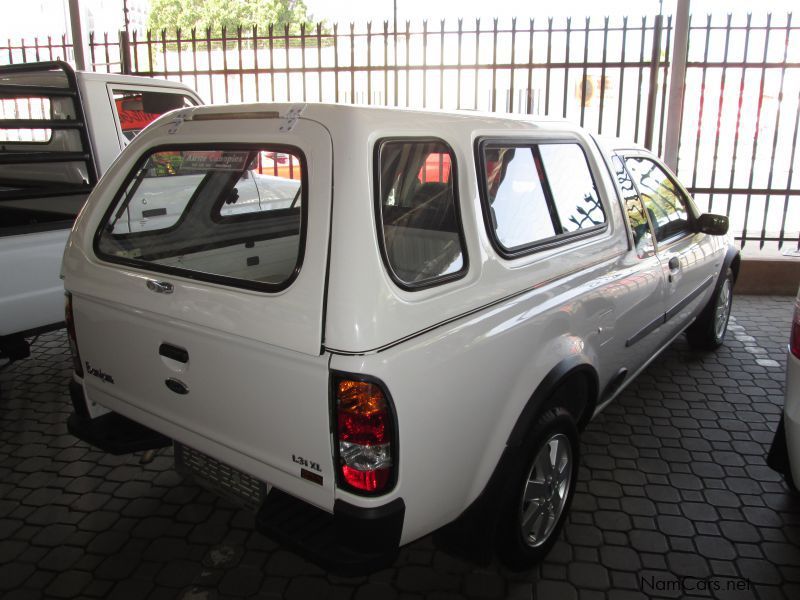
{"x":674,"y":500}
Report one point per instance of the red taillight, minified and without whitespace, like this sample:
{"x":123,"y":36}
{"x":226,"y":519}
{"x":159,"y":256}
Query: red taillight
{"x":365,"y":432}
{"x":368,"y":481}
{"x":794,"y":339}
{"x":69,"y":319}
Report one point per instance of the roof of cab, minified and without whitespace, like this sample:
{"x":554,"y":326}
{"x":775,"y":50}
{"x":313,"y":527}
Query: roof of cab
{"x":116,"y":78}
{"x":614,"y":144}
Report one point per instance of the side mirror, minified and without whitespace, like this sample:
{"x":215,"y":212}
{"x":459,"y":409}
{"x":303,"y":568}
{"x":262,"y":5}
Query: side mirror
{"x":712,"y":224}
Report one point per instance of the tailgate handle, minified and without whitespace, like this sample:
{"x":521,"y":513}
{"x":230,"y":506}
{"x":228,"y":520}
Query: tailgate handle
{"x":160,"y":287}
{"x":173,"y":352}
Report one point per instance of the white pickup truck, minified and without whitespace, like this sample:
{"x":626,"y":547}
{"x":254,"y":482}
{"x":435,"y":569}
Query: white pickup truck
{"x":60,"y":130}
{"x":370,"y":324}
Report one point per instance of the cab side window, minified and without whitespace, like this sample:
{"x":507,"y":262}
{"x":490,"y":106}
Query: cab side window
{"x":537,"y":194}
{"x":664,"y":202}
{"x":519,"y":209}
{"x":571,"y":186}
{"x":637,"y":217}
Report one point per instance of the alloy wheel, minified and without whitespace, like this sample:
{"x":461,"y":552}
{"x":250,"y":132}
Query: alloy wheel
{"x":723,"y":309}
{"x":546,"y":490}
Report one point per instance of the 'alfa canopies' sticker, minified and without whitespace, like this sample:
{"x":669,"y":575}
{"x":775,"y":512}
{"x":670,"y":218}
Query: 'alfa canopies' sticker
{"x":214,"y":160}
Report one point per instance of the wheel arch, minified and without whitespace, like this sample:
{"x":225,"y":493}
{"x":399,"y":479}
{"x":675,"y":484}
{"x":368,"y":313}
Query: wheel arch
{"x":563,"y":377}
{"x":733,"y":259}
{"x":471,"y":534}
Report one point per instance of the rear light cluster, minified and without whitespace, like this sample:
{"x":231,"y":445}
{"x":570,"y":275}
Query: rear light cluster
{"x":365,"y":435}
{"x":69,"y":319}
{"x":794,"y":340}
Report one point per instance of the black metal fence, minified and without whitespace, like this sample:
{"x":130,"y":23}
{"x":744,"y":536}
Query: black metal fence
{"x":23,"y":51}
{"x":740,"y":124}
{"x":741,"y":102}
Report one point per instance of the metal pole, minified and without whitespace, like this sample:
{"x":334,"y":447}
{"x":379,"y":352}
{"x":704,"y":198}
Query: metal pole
{"x":78,"y":41}
{"x":125,"y":15}
{"x":655,"y":60}
{"x":677,"y":85}
{"x":125,"y":52}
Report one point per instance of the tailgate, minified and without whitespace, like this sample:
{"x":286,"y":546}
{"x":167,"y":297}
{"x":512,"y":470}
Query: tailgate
{"x":199,"y":310}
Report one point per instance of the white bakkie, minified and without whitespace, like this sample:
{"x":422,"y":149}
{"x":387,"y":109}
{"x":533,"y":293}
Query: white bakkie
{"x":368,"y":324}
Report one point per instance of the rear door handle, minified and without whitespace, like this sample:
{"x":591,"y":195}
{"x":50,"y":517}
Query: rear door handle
{"x":674,"y":263}
{"x":175,"y":353}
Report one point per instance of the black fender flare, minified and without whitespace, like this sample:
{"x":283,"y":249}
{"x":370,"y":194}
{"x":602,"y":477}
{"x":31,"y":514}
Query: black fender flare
{"x":539,"y":401}
{"x":731,"y":261}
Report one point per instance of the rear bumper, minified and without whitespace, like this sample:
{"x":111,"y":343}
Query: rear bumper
{"x":351,"y":541}
{"x":110,"y":432}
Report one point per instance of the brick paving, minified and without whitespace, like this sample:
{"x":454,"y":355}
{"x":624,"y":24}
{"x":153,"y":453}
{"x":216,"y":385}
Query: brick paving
{"x":674,"y":500}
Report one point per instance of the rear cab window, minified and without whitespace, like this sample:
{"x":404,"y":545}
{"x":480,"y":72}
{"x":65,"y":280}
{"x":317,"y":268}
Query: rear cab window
{"x":216,"y":214}
{"x":419,"y":223}
{"x":536,"y":194}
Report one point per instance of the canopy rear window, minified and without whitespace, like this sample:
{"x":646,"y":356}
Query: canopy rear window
{"x":213,"y":214}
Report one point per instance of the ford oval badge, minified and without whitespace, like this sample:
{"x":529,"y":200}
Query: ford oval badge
{"x":177,"y":386}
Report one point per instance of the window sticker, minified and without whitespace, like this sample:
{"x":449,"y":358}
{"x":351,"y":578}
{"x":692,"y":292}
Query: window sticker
{"x":214,"y":160}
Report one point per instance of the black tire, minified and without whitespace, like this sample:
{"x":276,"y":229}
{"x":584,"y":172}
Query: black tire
{"x":708,"y":331}
{"x":522,"y":543}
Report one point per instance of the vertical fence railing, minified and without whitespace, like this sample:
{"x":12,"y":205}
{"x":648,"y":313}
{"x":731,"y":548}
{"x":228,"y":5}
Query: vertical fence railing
{"x":739,"y":139}
{"x":24,"y":51}
{"x":586,"y":71}
{"x":741,"y":109}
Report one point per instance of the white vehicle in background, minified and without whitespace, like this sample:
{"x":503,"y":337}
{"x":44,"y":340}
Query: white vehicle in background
{"x":157,"y":200}
{"x":413,"y":341}
{"x":60,"y":130}
{"x":784,"y":455}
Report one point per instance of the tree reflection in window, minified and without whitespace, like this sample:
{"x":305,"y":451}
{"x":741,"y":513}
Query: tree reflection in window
{"x":642,"y":236}
{"x":572,"y":187}
{"x":537,"y":192}
{"x":663,"y":201}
